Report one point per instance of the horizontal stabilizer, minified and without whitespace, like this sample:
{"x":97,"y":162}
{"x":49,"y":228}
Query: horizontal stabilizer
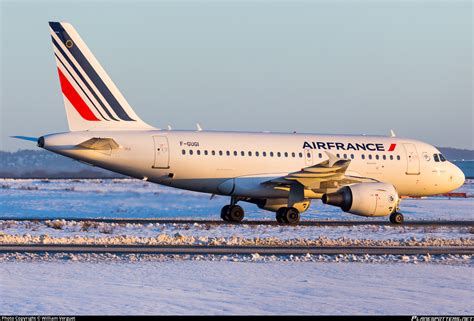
{"x":98,"y":143}
{"x":31,"y":139}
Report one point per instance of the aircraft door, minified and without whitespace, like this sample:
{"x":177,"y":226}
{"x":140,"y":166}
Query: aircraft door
{"x":162,"y":156}
{"x":413,"y":161}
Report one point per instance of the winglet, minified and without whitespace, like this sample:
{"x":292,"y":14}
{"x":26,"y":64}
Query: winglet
{"x":332,"y":158}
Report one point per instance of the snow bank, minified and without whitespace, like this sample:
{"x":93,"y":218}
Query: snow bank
{"x":178,"y":239}
{"x":63,"y":228}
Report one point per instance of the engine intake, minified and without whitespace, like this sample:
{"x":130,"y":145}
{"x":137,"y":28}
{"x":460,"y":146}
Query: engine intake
{"x":40,"y":142}
{"x":364,"y":199}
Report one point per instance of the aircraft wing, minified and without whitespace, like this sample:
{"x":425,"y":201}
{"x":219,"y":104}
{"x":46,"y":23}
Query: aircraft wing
{"x":321,"y":178}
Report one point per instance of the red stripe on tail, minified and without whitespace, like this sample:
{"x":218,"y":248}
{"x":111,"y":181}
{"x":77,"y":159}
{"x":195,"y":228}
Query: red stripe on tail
{"x":392,"y":147}
{"x":76,"y":100}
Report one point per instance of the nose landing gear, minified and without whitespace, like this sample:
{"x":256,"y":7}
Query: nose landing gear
{"x":396,"y":218}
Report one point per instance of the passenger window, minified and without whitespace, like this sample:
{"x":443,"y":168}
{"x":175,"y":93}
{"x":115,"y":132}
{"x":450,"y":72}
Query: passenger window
{"x":271,"y":154}
{"x":220,"y":153}
{"x":250,"y":153}
{"x":377,"y":157}
{"x":264,"y":154}
{"x":183,"y":152}
{"x":213,"y":152}
{"x":370,"y":156}
{"x":235,"y":153}
{"x":205,"y":152}
{"x":362,"y":156}
{"x":300,"y":155}
{"x":256,"y":154}
{"x":391,"y":157}
{"x":352,"y":156}
{"x":190,"y":152}
{"x":398,"y":157}
{"x":338,"y":155}
{"x":198,"y":152}
{"x":308,"y":155}
{"x":278,"y":154}
{"x":441,"y":157}
{"x":286,"y":154}
{"x":320,"y":155}
{"x":227,"y":153}
{"x":293,"y":155}
{"x":384,"y":157}
{"x":242,"y":153}
{"x":436,"y":158}
{"x":345,"y":156}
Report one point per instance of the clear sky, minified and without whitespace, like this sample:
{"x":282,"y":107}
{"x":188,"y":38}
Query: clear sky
{"x":350,"y":67}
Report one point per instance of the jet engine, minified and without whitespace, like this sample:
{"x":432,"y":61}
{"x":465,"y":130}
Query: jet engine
{"x":365,"y":199}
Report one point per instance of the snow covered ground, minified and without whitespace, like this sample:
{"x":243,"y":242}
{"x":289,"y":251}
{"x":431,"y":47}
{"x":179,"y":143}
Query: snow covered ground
{"x":134,"y":198}
{"x":130,"y":284}
{"x":190,"y":287}
{"x":67,"y":232}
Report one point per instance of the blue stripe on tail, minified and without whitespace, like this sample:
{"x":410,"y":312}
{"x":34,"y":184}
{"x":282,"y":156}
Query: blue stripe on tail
{"x":90,"y":71}
{"x":83,"y":79}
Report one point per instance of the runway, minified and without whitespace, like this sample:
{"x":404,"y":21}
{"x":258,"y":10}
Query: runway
{"x":419,"y":223}
{"x":239,"y":250}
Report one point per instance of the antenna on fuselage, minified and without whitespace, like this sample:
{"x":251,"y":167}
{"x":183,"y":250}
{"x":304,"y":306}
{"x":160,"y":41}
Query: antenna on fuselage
{"x":392,"y":133}
{"x":199,"y":128}
{"x":169,"y":127}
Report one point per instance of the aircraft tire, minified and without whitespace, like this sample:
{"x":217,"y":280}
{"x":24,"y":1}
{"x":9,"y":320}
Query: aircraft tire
{"x":225,"y":213}
{"x":236,"y":213}
{"x":291,"y":216}
{"x":280,"y":215}
{"x":396,"y":218}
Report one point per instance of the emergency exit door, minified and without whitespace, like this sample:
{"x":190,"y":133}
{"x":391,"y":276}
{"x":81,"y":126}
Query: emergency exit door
{"x":413,"y":161}
{"x":162,"y":155}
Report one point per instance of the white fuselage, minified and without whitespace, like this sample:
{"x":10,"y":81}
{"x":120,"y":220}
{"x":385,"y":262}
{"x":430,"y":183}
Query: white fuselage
{"x":236,"y":163}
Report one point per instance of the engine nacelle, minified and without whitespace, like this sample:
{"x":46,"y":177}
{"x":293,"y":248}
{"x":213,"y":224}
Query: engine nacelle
{"x":365,"y":199}
{"x":274,"y":204}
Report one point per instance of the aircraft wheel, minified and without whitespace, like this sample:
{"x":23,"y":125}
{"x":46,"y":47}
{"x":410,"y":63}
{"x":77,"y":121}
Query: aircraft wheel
{"x":292,"y":216}
{"x":280,"y":215}
{"x":236,"y":213}
{"x":225,"y":213}
{"x":396,"y":218}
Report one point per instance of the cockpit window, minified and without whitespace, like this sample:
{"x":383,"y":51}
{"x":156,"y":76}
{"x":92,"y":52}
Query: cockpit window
{"x":442,"y":157}
{"x":436,"y":158}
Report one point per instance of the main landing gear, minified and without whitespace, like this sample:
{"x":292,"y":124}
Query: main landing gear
{"x":288,"y":215}
{"x":233,"y":212}
{"x":396,"y":218}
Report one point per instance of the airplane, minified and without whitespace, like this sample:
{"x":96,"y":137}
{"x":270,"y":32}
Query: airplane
{"x":278,"y":172}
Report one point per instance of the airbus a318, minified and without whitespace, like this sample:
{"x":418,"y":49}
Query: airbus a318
{"x":278,"y":172}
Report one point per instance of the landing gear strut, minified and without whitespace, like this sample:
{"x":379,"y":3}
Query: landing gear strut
{"x":288,"y":215}
{"x":232,"y":212}
{"x":396,"y":218}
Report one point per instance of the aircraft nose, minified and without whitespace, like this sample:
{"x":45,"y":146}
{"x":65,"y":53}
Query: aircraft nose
{"x":457,"y":177}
